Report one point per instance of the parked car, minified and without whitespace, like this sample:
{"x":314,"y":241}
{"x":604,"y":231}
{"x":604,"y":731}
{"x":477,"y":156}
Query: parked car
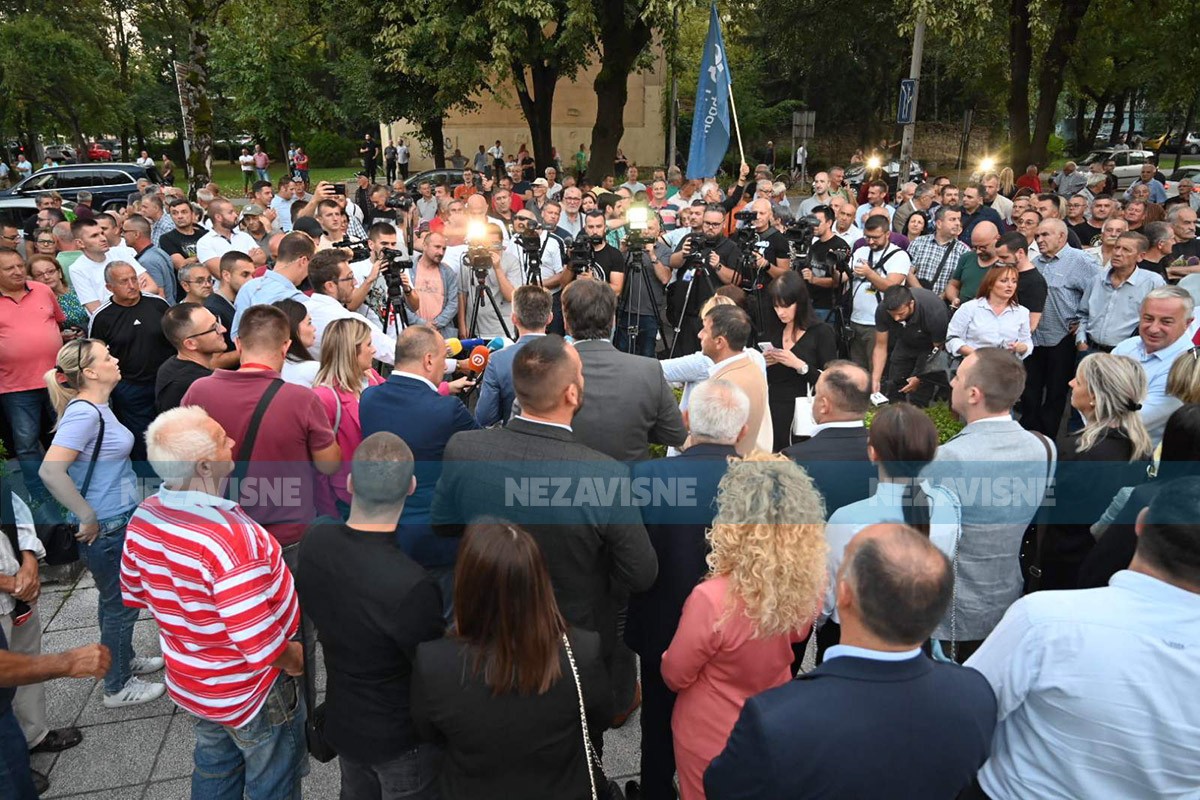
{"x":110,"y":184}
{"x":1129,"y":163}
{"x":60,"y":153}
{"x":1190,"y":144}
{"x":96,"y":152}
{"x":1156,"y":143}
{"x":15,"y":210}
{"x":916,"y":174}
{"x":449,"y":177}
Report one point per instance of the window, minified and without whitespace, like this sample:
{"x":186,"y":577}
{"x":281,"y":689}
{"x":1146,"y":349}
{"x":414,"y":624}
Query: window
{"x":77,"y":179}
{"x":42,"y":182}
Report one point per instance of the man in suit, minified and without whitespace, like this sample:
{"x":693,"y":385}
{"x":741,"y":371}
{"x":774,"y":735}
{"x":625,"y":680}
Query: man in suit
{"x":535,"y":472}
{"x":716,"y":419}
{"x":410,"y":405}
{"x":1000,"y":473}
{"x":627,"y":405}
{"x":834,"y":731}
{"x":530,"y":316}
{"x":835,"y":456}
{"x":723,"y":338}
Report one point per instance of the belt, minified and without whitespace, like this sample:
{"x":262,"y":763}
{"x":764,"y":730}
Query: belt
{"x":1103,"y":348}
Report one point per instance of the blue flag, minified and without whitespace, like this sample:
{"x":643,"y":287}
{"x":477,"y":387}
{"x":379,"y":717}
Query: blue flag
{"x":710,"y":125}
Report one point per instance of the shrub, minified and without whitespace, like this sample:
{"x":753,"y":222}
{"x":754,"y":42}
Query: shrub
{"x":944,"y":419}
{"x":329,"y":150}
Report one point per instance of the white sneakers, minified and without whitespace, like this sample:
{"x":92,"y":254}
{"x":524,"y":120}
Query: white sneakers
{"x":135,"y":692}
{"x":146,"y":665}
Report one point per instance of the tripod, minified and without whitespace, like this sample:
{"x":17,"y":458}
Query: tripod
{"x":533,"y":262}
{"x":634,"y":266}
{"x":482,"y":290}
{"x":687,"y":297}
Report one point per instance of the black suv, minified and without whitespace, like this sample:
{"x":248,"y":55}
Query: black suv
{"x":110,"y":184}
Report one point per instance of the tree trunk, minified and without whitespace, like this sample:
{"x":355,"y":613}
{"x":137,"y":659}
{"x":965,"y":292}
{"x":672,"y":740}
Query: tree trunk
{"x":200,"y":164}
{"x":1080,"y":114}
{"x":1133,"y":99}
{"x":1053,"y":72}
{"x":1187,"y":126}
{"x":433,"y":129}
{"x":538,"y":107}
{"x":140,"y":133}
{"x":1097,"y":119}
{"x":1020,"y":63}
{"x":623,"y":38}
{"x":1118,"y":122}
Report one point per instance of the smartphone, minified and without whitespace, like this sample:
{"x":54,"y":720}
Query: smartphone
{"x":339,"y":188}
{"x":766,"y":347}
{"x":878,"y":399}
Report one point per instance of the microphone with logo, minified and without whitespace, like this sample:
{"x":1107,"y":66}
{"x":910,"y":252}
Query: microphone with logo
{"x":474,"y":365}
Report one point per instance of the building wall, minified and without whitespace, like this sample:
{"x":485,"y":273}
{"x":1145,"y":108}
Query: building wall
{"x":500,"y":118}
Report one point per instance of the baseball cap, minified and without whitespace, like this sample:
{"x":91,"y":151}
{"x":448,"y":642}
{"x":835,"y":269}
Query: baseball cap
{"x":361,"y":174}
{"x":541,"y":182}
{"x":252,"y":210}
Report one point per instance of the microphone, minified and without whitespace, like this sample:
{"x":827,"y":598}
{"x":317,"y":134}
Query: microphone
{"x":498,"y":343}
{"x":477,"y":362}
{"x":455,"y":346}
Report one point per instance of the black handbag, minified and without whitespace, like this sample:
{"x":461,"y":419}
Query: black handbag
{"x":1030,"y":554}
{"x":60,"y":539}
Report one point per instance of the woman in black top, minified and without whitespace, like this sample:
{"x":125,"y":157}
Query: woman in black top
{"x":1180,"y":457}
{"x":500,"y":695}
{"x":797,"y":354}
{"x":1110,"y":452}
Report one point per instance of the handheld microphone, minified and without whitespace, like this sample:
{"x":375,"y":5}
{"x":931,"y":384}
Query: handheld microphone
{"x":477,"y":362}
{"x":455,"y":346}
{"x":498,"y":343}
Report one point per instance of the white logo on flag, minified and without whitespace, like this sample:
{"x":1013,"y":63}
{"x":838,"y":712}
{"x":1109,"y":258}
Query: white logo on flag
{"x":718,"y":66}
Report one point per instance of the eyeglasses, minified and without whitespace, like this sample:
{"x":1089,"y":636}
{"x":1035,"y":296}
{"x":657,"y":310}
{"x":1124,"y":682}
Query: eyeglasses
{"x":214,"y":329}
{"x":708,"y":224}
{"x":349,"y":278}
{"x":15,"y":238}
{"x":200,"y":281}
{"x":45,"y":241}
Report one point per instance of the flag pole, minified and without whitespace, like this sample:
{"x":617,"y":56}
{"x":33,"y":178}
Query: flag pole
{"x":736,"y":128}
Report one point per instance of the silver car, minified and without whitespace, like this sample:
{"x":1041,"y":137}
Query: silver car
{"x":1129,"y":163}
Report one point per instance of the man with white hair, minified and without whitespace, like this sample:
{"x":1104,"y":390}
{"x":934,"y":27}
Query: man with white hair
{"x":226,"y":608}
{"x":717,"y":415}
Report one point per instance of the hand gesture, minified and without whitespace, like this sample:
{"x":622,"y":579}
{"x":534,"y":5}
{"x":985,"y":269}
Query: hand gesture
{"x":744,"y":172}
{"x":89,"y":661}
{"x":460,"y":384}
{"x":910,"y":385}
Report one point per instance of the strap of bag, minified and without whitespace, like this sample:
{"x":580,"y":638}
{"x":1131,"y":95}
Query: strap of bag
{"x":1035,"y":569}
{"x":588,"y":752}
{"x":247,"y":449}
{"x":87,"y":478}
{"x":942,"y":264}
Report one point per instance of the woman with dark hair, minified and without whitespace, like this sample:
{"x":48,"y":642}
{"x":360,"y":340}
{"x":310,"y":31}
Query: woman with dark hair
{"x":902,"y":441}
{"x":509,"y":694}
{"x":299,"y":367}
{"x":916,"y":225}
{"x":797,"y":354}
{"x":1116,"y":537}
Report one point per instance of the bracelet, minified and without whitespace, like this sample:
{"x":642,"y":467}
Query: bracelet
{"x":803,"y":370}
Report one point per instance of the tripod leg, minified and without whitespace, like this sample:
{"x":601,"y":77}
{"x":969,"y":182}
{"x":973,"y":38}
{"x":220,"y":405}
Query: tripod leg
{"x":496,"y":307}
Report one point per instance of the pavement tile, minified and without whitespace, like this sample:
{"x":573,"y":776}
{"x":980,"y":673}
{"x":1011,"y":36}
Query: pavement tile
{"x":111,"y":756}
{"x":179,"y":789}
{"x":77,"y":611}
{"x":175,"y":758}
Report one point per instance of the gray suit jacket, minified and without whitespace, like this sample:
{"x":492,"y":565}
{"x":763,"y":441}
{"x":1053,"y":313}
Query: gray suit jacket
{"x":998,"y":470}
{"x":627,"y":404}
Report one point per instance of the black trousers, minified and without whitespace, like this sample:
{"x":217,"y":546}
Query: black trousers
{"x":390,"y":165}
{"x":658,"y":746}
{"x":902,"y":363}
{"x":1048,"y":370}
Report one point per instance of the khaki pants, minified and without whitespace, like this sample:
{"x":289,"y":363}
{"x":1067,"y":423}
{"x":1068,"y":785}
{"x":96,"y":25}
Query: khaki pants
{"x":30,"y":702}
{"x":862,"y":345}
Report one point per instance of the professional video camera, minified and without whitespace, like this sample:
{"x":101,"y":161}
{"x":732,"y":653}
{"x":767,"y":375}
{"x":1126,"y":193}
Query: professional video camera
{"x":746,"y":215}
{"x":359,"y":251}
{"x":398,"y":257}
{"x":637,"y":219}
{"x":529,"y":240}
{"x":580,"y":253}
{"x":479,"y":252}
{"x":399,"y":200}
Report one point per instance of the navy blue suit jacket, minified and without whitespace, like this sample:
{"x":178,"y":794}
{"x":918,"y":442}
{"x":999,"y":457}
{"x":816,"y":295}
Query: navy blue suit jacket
{"x":425,"y":420}
{"x":496,"y":392}
{"x":858,"y":728}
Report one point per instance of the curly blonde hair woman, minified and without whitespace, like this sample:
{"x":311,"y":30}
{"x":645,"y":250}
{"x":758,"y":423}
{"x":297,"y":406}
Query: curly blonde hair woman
{"x":735,"y":636}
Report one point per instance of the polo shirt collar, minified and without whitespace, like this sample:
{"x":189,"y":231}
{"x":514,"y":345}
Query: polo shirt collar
{"x":183,"y":499}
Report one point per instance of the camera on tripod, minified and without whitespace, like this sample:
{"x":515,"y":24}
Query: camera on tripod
{"x":359,"y":251}
{"x":479,"y":253}
{"x":637,"y":220}
{"x":580,"y":253}
{"x":399,"y":200}
{"x":529,"y":240}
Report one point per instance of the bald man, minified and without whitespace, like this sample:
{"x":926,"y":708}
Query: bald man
{"x":964,"y":283}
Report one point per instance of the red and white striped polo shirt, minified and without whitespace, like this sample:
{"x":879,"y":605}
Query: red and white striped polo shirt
{"x":224,"y":601}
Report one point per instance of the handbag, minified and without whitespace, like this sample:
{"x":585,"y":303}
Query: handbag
{"x":1030,"y":555}
{"x":594,"y":765}
{"x":60,"y":539}
{"x":939,"y":366}
{"x":802,"y":418}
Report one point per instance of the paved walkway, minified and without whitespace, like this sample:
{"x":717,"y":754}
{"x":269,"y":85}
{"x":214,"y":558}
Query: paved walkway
{"x":145,"y":752}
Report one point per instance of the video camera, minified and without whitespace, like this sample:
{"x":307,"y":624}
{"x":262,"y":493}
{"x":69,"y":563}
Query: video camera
{"x":359,"y":251}
{"x":399,"y":200}
{"x":580,"y":252}
{"x":746,"y":215}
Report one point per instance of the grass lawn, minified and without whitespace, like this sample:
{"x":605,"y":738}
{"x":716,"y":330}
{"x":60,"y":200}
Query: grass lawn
{"x":229,"y":176}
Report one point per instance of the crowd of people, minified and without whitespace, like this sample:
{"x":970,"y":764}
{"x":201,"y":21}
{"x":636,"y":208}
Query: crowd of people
{"x":252,"y":422}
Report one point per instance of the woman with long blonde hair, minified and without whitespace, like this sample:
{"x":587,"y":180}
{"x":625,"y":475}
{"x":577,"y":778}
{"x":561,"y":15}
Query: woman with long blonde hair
{"x":345,"y":371}
{"x":735,"y":637}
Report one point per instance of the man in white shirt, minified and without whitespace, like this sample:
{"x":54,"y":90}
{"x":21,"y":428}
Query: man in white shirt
{"x":117,"y":249}
{"x":87,"y":271}
{"x":843,"y":224}
{"x":632,"y":183}
{"x":553,"y":188}
{"x":333,"y":282}
{"x":402,"y":156}
{"x":281,"y":203}
{"x":224,"y":237}
{"x":876,"y":201}
{"x":1093,"y":685}
{"x":876,"y":267}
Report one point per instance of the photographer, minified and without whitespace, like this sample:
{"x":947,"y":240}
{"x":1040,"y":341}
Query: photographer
{"x":637,"y":306}
{"x":370,"y":295}
{"x":533,"y":243}
{"x":704,"y":261}
{"x":913,"y":321}
{"x":603,"y":260}
{"x":875,"y":267}
{"x":770,"y":248}
{"x":502,"y":273}
{"x":330,"y":276}
{"x":336,"y":194}
{"x":822,"y":276}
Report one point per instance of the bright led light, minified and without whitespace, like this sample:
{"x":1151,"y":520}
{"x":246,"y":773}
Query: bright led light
{"x":874,"y":162}
{"x":637,"y":217}
{"x":987,"y":165}
{"x":476,"y":231}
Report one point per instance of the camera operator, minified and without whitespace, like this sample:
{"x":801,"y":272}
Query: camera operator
{"x":379,"y":211}
{"x":502,"y":277}
{"x":603,"y":259}
{"x":823,"y":278}
{"x":330,"y":276}
{"x":370,"y":295}
{"x":875,"y":267}
{"x":704,"y":261}
{"x":637,"y":307}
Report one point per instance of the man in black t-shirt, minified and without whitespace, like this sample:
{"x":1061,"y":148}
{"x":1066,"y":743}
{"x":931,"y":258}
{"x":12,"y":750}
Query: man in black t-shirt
{"x":1077,"y":221}
{"x":719,"y":258}
{"x":197,"y":336}
{"x":370,"y":156}
{"x":913,"y":321}
{"x":371,"y":624}
{"x":1012,"y":250}
{"x":180,"y":244}
{"x":130,"y":323}
{"x":606,"y":259}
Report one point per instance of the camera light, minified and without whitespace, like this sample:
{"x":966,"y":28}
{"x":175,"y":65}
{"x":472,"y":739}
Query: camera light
{"x":637,"y":217}
{"x":987,"y":164}
{"x":476,"y":231}
{"x":874,"y":162}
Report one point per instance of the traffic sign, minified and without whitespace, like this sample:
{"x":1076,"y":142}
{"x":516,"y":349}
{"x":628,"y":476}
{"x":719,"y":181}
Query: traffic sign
{"x":908,"y":91}
{"x":804,"y":124}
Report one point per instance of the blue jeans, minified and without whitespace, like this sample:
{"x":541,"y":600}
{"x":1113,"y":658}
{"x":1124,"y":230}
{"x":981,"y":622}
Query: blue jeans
{"x":27,"y":413}
{"x":263,"y":175}
{"x":262,"y":760}
{"x":647,"y":340}
{"x":413,"y":775}
{"x":16,"y":783}
{"x":103,"y":558}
